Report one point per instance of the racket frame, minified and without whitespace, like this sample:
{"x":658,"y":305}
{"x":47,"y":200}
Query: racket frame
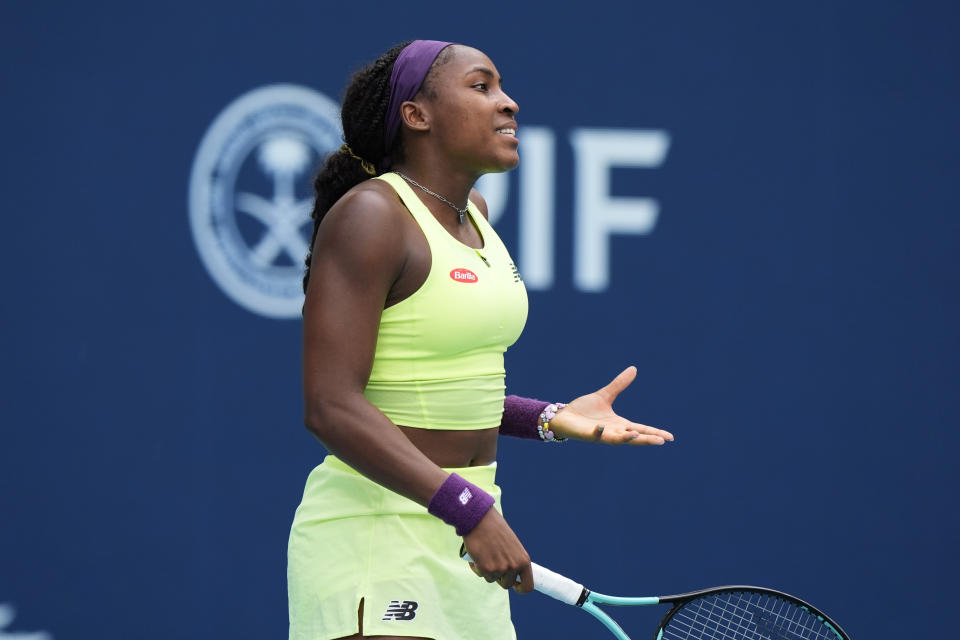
{"x":589,"y":599}
{"x":681,"y":599}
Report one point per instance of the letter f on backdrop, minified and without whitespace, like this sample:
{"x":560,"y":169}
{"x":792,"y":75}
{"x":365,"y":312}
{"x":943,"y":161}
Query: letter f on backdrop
{"x":597,"y":214}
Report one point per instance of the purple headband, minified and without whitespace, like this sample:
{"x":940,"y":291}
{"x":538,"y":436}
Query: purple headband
{"x":409,"y":70}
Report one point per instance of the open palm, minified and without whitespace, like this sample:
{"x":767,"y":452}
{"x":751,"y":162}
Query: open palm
{"x":591,"y":417}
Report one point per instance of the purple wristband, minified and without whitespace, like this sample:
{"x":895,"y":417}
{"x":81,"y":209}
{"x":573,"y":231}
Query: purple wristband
{"x":521,"y":416}
{"x":460,"y":503}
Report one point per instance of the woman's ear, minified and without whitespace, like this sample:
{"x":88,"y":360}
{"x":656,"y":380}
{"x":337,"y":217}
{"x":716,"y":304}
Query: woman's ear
{"x":415,"y":116}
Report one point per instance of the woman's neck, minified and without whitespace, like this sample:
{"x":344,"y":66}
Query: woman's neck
{"x":450,"y":184}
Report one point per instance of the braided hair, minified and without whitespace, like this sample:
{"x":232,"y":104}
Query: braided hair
{"x":363,"y":115}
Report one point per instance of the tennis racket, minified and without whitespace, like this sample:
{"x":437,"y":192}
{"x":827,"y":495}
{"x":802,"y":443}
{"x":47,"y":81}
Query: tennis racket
{"x":720,"y":613}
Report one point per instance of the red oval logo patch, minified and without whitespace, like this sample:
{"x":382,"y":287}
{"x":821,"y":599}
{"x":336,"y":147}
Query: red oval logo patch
{"x":463,"y":275}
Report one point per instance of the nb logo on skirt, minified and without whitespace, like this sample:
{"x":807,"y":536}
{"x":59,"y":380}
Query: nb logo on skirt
{"x":400,"y":610}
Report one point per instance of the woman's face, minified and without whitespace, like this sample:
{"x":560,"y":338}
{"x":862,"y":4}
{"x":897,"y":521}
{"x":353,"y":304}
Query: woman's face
{"x":472,"y":118}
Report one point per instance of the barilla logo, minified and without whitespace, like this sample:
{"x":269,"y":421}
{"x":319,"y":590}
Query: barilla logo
{"x":463,"y":275}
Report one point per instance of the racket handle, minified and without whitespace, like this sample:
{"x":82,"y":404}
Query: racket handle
{"x":549,"y":583}
{"x":552,"y":584}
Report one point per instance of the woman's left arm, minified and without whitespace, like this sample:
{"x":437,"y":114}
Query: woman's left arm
{"x":590,"y":417}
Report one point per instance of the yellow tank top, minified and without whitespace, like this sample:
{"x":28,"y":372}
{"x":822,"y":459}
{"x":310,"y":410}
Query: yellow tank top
{"x":439,"y":357}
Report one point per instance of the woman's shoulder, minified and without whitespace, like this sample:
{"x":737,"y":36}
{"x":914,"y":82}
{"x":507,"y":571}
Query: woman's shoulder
{"x":372,"y":205}
{"x":370,"y":198}
{"x":368,"y":230}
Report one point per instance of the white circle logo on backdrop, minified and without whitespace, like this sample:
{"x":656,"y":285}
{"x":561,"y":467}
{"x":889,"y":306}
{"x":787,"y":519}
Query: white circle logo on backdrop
{"x":251,"y":194}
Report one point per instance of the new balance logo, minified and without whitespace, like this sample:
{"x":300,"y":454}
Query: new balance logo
{"x":465,"y":496}
{"x":401,"y":610}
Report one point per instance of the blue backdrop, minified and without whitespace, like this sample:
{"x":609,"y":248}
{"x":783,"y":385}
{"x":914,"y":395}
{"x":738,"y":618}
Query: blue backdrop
{"x":753,"y":202}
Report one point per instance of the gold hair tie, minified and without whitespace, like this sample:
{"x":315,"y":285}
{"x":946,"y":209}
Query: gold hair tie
{"x":366,"y":164}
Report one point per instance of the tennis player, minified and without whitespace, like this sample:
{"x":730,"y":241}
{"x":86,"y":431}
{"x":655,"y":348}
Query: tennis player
{"x":411,"y":301}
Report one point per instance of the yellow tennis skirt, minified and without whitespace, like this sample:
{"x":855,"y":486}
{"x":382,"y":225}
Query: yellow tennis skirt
{"x":354,"y":540}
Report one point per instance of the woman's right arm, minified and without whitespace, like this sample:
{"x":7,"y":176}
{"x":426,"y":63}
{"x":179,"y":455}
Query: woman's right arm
{"x":358,"y":255}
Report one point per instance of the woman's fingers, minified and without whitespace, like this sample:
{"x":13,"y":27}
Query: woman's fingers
{"x":508,"y":579}
{"x":618,"y":384}
{"x":643,"y":439}
{"x":525,"y":580}
{"x":644,"y":430}
{"x":630,"y":434}
{"x":520,"y":581}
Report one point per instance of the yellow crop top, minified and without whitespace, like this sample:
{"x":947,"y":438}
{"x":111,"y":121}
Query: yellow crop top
{"x":439,"y":357}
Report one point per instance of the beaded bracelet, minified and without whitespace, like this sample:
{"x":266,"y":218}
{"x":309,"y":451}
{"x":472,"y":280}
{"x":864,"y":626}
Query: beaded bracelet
{"x":543,"y":424}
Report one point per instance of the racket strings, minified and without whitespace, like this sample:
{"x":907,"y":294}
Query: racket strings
{"x":744,"y":615}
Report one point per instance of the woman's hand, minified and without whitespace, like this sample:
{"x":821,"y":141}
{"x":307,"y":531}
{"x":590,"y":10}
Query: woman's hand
{"x":591,"y":417}
{"x":498,"y":555}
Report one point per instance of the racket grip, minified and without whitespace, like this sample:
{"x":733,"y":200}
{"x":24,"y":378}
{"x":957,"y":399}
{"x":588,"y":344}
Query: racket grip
{"x":552,"y":584}
{"x":549,"y":583}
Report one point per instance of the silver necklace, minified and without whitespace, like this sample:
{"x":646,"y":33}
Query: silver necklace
{"x":462,"y":212}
